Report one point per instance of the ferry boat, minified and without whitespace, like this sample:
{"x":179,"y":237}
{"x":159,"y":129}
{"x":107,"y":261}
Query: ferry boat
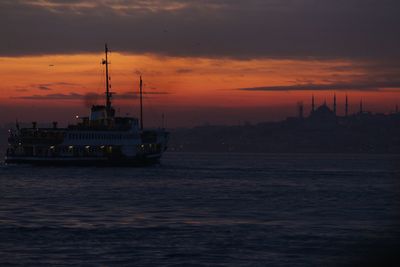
{"x":102,"y":138}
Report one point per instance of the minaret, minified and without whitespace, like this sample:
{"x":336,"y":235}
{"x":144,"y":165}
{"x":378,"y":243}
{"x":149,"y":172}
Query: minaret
{"x":300,"y":107}
{"x":334,"y":104}
{"x":141,"y":102}
{"x":312,"y":104}
{"x":346,"y":108}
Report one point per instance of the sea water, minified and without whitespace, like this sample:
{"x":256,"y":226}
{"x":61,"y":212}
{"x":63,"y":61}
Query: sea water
{"x":203,"y":210}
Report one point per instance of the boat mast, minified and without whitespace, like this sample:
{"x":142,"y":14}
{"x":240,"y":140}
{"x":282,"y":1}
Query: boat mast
{"x":141,"y":103}
{"x":108,"y":94}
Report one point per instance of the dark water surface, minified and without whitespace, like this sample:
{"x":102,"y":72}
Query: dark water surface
{"x":203,"y":210}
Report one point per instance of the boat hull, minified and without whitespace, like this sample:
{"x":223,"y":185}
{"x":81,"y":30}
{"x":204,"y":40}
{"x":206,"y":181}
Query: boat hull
{"x":103,"y":161}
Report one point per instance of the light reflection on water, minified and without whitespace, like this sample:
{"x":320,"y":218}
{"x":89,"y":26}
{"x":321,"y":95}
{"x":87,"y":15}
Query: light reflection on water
{"x":227,"y":209}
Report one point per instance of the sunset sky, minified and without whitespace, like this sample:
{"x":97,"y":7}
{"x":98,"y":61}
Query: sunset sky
{"x":212,"y":61}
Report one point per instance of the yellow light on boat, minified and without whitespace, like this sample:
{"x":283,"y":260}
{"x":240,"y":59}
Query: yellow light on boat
{"x":52,"y":147}
{"x":87,"y":147}
{"x":71,"y":147}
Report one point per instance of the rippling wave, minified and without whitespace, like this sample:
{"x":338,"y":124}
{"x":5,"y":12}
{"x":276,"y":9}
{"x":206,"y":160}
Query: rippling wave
{"x":202,"y":209}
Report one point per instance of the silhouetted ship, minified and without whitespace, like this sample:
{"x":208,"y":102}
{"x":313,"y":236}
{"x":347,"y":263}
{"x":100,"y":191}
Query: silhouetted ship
{"x":100,"y":139}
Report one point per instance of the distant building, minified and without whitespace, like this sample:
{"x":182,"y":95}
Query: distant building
{"x":323,"y":113}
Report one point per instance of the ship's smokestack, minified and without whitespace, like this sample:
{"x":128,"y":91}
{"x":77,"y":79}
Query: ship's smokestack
{"x":334,"y":104}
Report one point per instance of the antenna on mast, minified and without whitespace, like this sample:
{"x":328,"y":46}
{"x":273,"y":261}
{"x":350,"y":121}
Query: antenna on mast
{"x":108,"y":93}
{"x":141,"y":103}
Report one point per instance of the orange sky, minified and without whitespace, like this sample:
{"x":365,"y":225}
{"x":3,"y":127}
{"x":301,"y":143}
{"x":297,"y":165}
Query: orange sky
{"x":37,"y":84}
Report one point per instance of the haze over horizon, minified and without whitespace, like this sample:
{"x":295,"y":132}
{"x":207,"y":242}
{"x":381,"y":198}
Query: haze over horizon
{"x":221,"y":62}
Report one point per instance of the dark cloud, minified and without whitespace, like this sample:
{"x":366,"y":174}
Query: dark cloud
{"x":50,"y":86}
{"x":212,"y":28}
{"x":145,"y":93}
{"x":70,"y":96}
{"x":91,"y":96}
{"x":358,"y":86}
{"x":21,"y":90}
{"x":183,"y":71}
{"x":43,"y":87}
